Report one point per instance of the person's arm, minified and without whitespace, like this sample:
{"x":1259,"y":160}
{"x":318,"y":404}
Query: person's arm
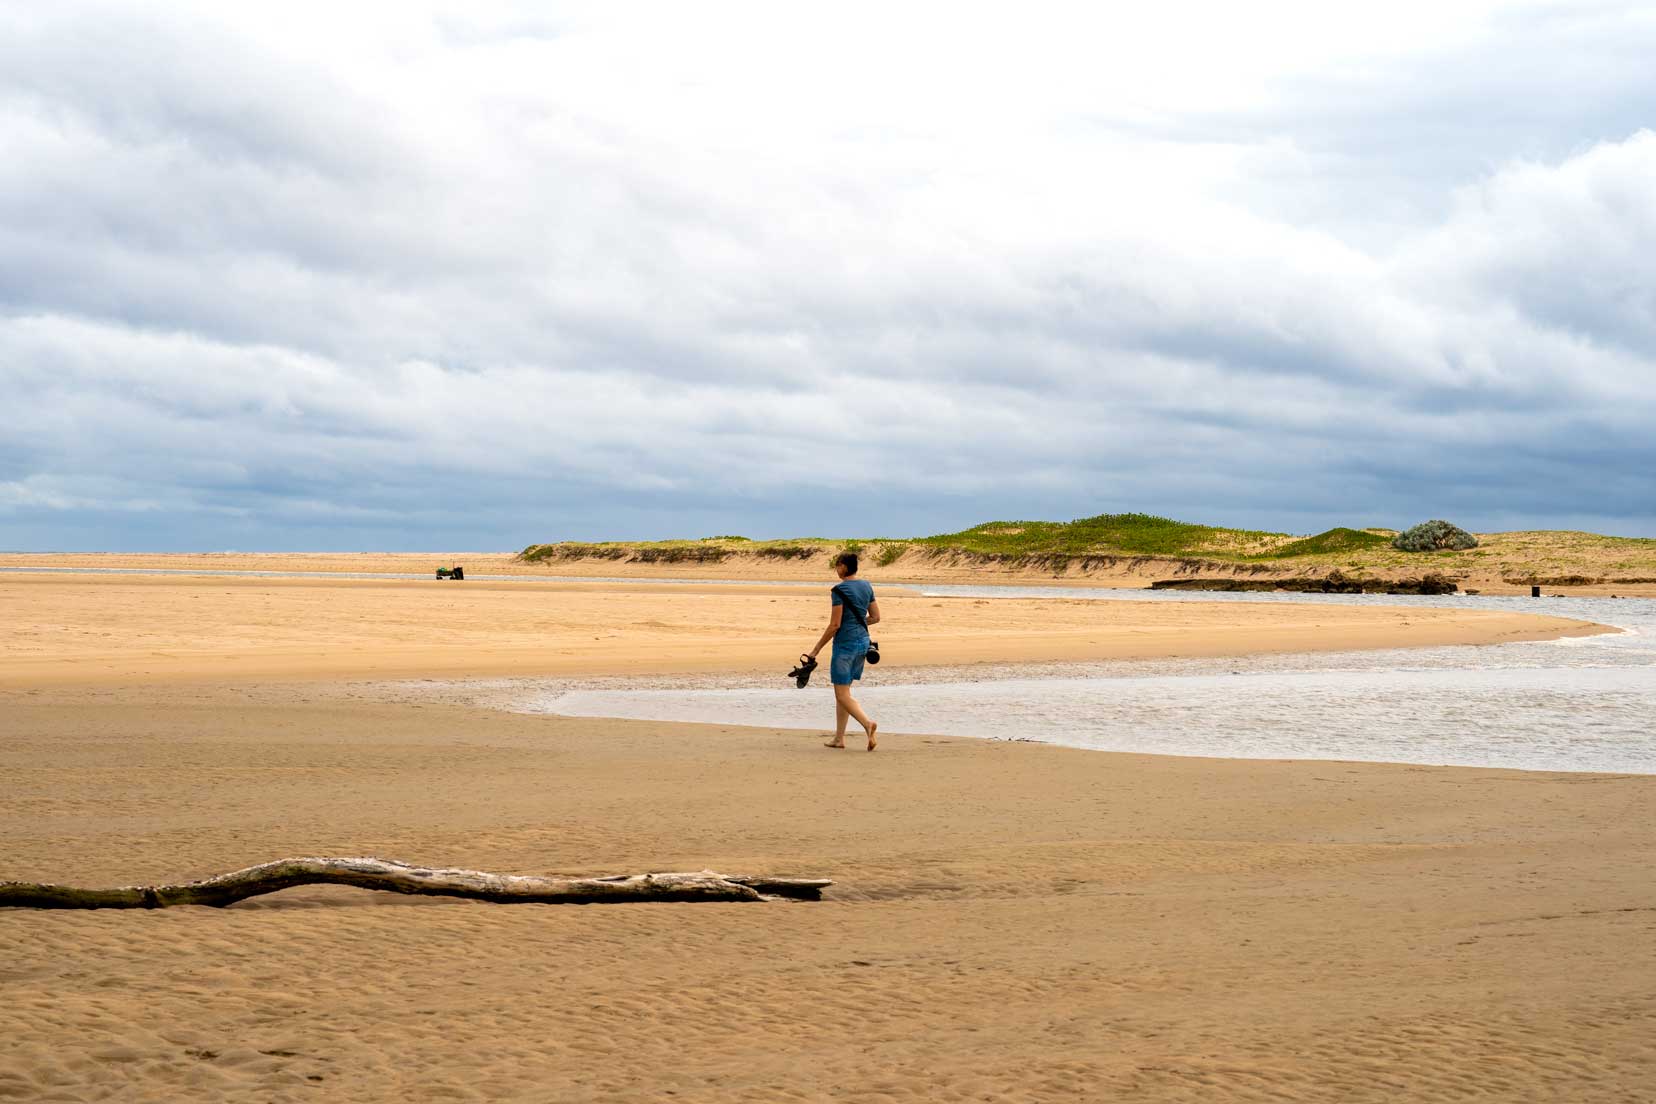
{"x":874,"y":612}
{"x":833,"y":627}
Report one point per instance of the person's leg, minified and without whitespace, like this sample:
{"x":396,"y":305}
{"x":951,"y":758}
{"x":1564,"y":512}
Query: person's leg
{"x":840,"y":718}
{"x":839,"y":673}
{"x":848,"y":705}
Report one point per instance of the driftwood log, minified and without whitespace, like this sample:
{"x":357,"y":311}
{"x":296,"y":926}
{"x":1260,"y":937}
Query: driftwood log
{"x":396,"y":877}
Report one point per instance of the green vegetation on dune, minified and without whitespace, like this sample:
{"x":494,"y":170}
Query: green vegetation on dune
{"x":1093,"y":543}
{"x":1642,"y":544}
{"x":1333,"y":542}
{"x":708,"y":550}
{"x":1106,"y":534}
{"x":1046,"y":541}
{"x":651,"y":552}
{"x":1148,"y":535}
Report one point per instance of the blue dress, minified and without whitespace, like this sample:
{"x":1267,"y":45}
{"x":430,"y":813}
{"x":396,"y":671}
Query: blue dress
{"x":851,"y":641}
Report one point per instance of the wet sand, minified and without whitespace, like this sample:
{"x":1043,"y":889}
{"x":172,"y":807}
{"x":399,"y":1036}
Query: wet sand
{"x":1010,"y":921}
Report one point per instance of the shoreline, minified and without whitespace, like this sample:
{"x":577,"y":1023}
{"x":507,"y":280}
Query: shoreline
{"x":817,"y":732}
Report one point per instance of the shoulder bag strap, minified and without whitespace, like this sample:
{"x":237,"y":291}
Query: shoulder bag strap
{"x":845,"y":600}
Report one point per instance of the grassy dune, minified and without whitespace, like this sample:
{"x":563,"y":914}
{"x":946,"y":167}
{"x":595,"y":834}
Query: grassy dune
{"x":1147,"y":535}
{"x":1145,"y":545}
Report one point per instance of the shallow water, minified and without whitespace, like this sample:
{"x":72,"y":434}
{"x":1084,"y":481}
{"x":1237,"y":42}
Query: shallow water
{"x":1584,"y":704}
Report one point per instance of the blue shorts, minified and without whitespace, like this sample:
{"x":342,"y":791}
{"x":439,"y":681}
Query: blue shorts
{"x":847,"y":666}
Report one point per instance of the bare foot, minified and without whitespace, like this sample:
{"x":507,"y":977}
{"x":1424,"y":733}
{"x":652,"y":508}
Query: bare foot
{"x":836,"y":742}
{"x":872,"y":742}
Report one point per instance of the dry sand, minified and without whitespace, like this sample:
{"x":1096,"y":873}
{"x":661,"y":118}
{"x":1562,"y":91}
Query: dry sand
{"x":77,"y":628}
{"x":1010,"y":922}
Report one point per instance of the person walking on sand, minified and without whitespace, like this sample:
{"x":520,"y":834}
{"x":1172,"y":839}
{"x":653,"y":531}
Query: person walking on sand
{"x":850,"y":637}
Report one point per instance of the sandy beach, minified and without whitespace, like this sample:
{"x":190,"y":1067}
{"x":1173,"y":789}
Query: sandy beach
{"x":102,"y":628}
{"x":1009,"y":921}
{"x":1242,"y":414}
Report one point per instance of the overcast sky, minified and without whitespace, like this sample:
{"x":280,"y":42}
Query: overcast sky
{"x":471,"y":276}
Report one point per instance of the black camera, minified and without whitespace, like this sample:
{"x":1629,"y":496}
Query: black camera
{"x":873,"y":651}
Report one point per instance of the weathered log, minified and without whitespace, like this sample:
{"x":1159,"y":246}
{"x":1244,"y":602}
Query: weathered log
{"x":397,"y":877}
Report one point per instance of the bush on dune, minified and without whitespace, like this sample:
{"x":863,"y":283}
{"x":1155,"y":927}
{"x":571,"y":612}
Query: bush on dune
{"x":1434,"y":536}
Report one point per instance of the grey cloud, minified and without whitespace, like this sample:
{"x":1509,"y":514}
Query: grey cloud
{"x":254,"y":295}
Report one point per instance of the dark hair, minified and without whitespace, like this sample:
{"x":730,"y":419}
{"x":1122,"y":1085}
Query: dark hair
{"x":849,"y":559}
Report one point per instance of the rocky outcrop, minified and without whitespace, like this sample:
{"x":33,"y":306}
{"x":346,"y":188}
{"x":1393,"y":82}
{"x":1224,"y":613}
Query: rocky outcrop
{"x":1332,"y":583}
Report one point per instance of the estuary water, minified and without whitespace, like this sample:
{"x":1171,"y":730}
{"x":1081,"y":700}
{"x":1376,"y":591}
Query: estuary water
{"x":1583,"y":704}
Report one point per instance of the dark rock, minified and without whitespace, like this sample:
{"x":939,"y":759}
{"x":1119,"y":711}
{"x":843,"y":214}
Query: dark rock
{"x":1334,"y":582}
